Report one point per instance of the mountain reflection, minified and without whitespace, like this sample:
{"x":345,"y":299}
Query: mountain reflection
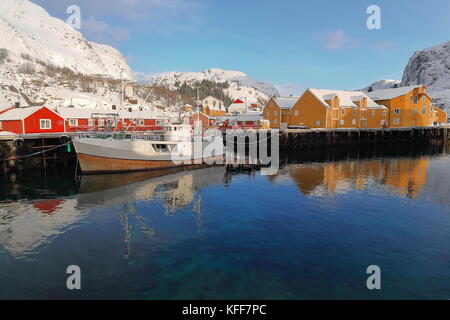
{"x":405,"y":177}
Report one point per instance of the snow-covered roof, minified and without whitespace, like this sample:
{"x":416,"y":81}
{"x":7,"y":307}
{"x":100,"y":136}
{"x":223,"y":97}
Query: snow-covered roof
{"x":18,"y":113}
{"x":286,"y":102}
{"x":240,"y":118}
{"x":386,"y":94}
{"x":346,"y":98}
{"x":81,"y":113}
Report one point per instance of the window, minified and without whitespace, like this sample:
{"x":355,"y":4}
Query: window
{"x":1,"y":126}
{"x":206,"y":102}
{"x":411,"y":97}
{"x":424,"y":109}
{"x":396,"y":121}
{"x":45,"y":124}
{"x":341,"y":122}
{"x":268,"y":113}
{"x":355,"y":112}
{"x":91,"y":122}
{"x":342,"y":111}
{"x":296,"y":113}
{"x":101,"y":122}
{"x":140,"y":122}
{"x":396,"y":111}
{"x":275,"y":113}
{"x":414,"y":111}
{"x":73,"y":122}
{"x":424,"y":99}
{"x":373,"y":113}
{"x":275,"y":121}
{"x":353,"y":121}
{"x":318,"y":123}
{"x":158,"y":122}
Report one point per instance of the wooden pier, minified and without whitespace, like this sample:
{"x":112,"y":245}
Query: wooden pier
{"x":17,"y":154}
{"x":298,"y":140}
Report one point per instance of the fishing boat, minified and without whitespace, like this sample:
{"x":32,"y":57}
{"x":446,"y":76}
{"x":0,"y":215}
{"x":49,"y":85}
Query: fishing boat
{"x":177,"y":145}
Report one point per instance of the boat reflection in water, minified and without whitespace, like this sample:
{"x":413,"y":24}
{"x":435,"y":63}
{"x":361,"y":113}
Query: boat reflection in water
{"x":26,"y":225}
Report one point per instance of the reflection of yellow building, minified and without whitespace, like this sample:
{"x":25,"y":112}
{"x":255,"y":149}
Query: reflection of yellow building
{"x":406,"y":176}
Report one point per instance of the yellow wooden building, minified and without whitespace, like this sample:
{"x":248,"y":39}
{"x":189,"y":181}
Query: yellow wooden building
{"x":439,"y":116}
{"x":330,"y":109}
{"x":277,"y":111}
{"x":409,"y":106}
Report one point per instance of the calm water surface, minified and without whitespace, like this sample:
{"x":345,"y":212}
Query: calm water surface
{"x":309,"y":232}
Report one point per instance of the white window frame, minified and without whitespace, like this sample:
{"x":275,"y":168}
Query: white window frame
{"x":318,"y":122}
{"x":353,"y":121}
{"x":73,"y":122}
{"x":1,"y":125}
{"x":296,"y":113}
{"x":396,"y":111}
{"x":91,"y":122}
{"x":341,"y":122}
{"x":41,"y":121}
{"x":374,"y":113}
{"x":101,"y":122}
{"x":140,"y":122}
{"x":396,"y":121}
{"x":268,"y":113}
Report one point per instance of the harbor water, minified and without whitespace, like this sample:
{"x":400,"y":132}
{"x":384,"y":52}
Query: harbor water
{"x":308,"y":232}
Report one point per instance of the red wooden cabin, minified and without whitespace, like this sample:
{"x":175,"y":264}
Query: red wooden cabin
{"x":31,"y":120}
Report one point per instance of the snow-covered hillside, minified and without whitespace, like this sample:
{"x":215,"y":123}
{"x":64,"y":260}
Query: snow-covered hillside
{"x":240,"y":85}
{"x":382,"y":84}
{"x":33,"y":38}
{"x":431,"y":67}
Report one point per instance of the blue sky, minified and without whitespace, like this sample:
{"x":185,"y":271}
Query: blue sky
{"x":293,"y":44}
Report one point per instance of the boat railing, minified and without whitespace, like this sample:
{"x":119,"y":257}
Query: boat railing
{"x":147,"y":136}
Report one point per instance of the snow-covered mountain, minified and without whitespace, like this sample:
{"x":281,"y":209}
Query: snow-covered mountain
{"x":382,"y":84}
{"x":431,"y":67}
{"x":240,"y":85}
{"x":31,"y":36}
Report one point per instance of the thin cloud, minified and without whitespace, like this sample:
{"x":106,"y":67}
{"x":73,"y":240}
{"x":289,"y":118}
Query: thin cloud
{"x":335,"y":40}
{"x":101,"y":32}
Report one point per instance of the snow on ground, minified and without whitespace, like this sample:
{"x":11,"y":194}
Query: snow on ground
{"x":31,"y":35}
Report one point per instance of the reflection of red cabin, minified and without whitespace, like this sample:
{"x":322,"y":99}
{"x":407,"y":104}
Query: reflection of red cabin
{"x":31,"y":120}
{"x":48,"y":206}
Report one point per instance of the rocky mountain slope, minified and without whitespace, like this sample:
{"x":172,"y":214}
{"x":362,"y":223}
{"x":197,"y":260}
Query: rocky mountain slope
{"x":431,"y":67}
{"x":240,"y":85}
{"x":31,"y":38}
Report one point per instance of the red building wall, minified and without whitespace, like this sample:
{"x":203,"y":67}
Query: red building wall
{"x":32,"y":122}
{"x":14,"y":126}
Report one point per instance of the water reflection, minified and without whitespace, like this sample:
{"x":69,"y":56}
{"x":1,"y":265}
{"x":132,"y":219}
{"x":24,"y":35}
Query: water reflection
{"x":28,"y":224}
{"x":406,"y":176}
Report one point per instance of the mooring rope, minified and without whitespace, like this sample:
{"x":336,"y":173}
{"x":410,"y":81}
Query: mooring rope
{"x":35,"y":153}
